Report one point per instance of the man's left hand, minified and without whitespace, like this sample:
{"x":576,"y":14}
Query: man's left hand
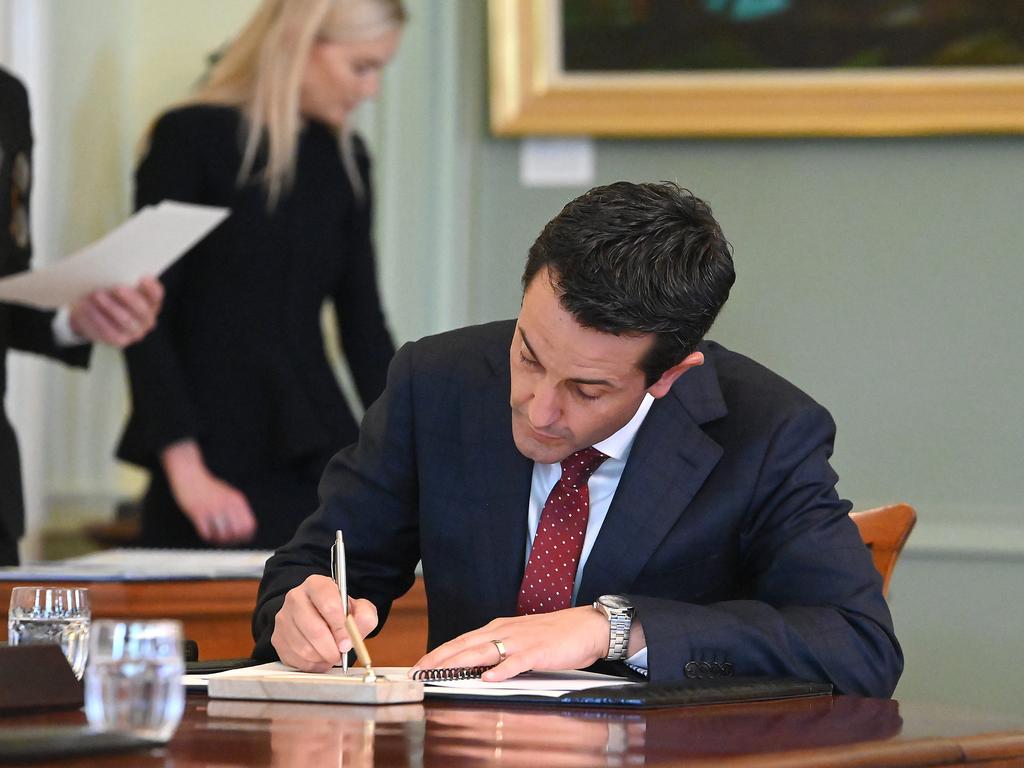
{"x":118,"y":316}
{"x":572,"y":638}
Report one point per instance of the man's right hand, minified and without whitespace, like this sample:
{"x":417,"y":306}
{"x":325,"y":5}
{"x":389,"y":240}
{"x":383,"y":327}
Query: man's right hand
{"x":309,"y":630}
{"x":220,"y":512}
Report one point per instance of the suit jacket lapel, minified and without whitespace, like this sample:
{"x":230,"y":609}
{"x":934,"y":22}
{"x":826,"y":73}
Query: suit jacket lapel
{"x":502,"y":484}
{"x":669,"y":462}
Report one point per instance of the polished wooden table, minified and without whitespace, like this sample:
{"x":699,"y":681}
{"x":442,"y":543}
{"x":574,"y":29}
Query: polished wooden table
{"x":217,"y":614}
{"x":844,"y":731}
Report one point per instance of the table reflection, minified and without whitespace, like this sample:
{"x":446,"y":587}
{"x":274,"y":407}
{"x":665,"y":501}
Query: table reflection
{"x":314,"y":735}
{"x":542,"y":737}
{"x":442,"y":734}
{"x":514,"y":736}
{"x":768,"y":727}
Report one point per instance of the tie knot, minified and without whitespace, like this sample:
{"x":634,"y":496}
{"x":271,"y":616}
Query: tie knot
{"x":578,"y":467}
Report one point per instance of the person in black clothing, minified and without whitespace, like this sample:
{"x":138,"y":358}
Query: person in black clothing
{"x":235,"y":408}
{"x":116,"y":316}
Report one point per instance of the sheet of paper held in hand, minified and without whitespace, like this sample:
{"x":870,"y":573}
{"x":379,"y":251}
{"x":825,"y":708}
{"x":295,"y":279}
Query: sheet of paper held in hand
{"x":146,"y":244}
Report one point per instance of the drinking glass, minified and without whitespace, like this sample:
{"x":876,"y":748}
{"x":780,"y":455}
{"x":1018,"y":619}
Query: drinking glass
{"x":51,"y":615}
{"x":134,"y":679}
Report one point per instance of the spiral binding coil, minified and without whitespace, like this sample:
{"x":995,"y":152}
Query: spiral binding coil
{"x":444,"y":674}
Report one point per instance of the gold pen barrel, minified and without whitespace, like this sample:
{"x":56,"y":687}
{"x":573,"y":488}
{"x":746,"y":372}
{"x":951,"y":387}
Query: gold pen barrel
{"x":360,"y":646}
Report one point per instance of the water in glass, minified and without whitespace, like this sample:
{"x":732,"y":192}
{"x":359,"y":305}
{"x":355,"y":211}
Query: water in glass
{"x":52,"y":615}
{"x":142,"y":697}
{"x":134,"y":679}
{"x":71,"y":634}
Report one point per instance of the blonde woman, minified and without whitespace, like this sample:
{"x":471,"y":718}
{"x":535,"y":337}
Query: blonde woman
{"x":235,"y":409}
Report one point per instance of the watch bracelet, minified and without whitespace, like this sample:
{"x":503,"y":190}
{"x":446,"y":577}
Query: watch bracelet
{"x":618,"y":641}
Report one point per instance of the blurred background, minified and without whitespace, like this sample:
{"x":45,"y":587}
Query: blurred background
{"x":880,"y":275}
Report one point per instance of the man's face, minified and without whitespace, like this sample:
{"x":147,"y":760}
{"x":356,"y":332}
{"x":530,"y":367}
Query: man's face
{"x":571,"y":386}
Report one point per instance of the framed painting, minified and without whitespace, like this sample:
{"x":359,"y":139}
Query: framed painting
{"x":756,"y":67}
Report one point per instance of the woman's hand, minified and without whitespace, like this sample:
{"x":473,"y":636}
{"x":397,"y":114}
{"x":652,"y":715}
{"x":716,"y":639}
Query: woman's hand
{"x":220,"y":512}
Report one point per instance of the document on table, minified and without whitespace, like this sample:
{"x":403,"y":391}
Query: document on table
{"x":146,"y":244}
{"x":563,"y":688}
{"x":543,"y":684}
{"x":548,"y":684}
{"x":145,"y":565}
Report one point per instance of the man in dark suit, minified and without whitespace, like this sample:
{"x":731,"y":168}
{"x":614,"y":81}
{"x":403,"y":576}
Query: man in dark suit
{"x":595,"y":481}
{"x":118,"y":316}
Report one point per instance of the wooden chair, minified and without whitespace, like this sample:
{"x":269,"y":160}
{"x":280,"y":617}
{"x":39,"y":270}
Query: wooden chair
{"x":885,"y":531}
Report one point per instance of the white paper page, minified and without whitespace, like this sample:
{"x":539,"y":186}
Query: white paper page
{"x":145,"y":565}
{"x":146,"y":244}
{"x":553,"y":684}
{"x":186,"y":563}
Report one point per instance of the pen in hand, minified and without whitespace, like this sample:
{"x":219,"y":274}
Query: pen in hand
{"x":338,"y":572}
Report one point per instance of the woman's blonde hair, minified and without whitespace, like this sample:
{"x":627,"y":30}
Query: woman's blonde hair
{"x":261,"y":73}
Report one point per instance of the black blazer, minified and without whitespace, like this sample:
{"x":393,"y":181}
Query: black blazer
{"x":21,"y":328}
{"x":726,"y":530}
{"x":237,"y":358}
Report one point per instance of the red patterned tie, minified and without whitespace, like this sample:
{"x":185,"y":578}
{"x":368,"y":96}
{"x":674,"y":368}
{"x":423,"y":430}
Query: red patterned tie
{"x":551,"y":571}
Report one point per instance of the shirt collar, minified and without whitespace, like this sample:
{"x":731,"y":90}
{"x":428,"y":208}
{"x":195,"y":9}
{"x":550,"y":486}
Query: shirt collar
{"x":618,"y":445}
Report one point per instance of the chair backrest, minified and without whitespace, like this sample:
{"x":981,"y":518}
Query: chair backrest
{"x":885,"y":531}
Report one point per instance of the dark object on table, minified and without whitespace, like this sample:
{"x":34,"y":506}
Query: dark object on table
{"x":727,"y":690}
{"x":218,"y":665}
{"x":37,"y":677}
{"x":49,"y":741}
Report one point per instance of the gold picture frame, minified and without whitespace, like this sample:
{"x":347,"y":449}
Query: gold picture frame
{"x":530,"y":96}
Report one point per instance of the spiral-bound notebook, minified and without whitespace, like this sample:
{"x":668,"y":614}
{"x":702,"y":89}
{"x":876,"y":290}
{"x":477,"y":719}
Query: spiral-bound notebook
{"x":277,"y":682}
{"x":588,"y":689}
{"x":572,"y":688}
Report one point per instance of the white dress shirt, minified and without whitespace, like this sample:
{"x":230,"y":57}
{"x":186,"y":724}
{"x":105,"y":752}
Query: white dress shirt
{"x":62,"y":333}
{"x":602,"y":486}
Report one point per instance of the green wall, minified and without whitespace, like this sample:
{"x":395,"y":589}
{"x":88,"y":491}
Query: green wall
{"x":879,"y":275}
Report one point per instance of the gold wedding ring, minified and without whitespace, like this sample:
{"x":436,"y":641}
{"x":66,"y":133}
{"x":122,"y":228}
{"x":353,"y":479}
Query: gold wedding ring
{"x":502,"y":655}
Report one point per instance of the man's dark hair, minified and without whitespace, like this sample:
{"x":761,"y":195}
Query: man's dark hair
{"x":638,"y":258}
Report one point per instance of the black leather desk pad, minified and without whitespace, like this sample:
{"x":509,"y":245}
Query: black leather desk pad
{"x":687,"y":693}
{"x":45,"y":742}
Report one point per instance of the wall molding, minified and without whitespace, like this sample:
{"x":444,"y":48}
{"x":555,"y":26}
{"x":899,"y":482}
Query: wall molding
{"x":975,"y":540}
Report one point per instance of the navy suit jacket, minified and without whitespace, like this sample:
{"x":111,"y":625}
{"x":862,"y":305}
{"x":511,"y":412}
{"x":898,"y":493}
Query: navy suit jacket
{"x":725,"y":531}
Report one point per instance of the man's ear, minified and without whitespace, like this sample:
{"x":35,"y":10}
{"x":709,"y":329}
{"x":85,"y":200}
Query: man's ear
{"x":661,"y":387}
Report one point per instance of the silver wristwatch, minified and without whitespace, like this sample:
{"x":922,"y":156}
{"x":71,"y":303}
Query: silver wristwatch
{"x":620,"y":617}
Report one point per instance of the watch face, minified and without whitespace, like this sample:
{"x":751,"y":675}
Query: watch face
{"x":614,"y":601}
